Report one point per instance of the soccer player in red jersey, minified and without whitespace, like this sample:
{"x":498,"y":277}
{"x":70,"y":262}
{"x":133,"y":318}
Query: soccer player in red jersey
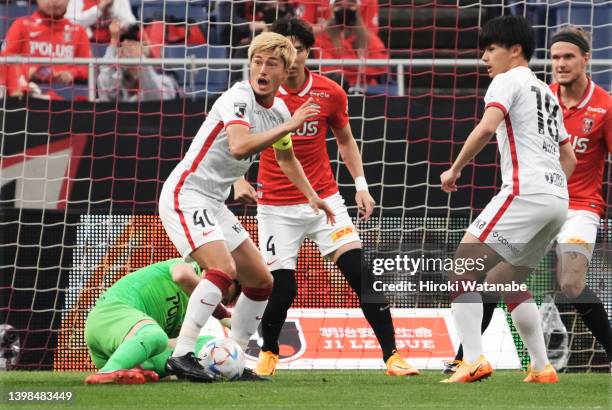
{"x":45,"y":33}
{"x":283,"y":221}
{"x":587,"y":116}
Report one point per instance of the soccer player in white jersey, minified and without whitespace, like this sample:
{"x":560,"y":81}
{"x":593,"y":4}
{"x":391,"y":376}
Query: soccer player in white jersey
{"x":243,"y":121}
{"x":515,"y":229}
{"x":283,"y":216}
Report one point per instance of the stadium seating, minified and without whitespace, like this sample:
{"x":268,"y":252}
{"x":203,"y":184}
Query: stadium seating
{"x":198,"y":79}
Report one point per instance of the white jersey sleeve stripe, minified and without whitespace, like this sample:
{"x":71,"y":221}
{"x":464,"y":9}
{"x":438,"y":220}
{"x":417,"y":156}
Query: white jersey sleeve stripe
{"x":194,"y":165}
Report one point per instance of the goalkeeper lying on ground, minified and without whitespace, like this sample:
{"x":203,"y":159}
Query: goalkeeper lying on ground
{"x":128,"y":331}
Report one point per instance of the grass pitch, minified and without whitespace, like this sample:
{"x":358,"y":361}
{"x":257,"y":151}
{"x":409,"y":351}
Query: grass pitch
{"x":318,"y":389}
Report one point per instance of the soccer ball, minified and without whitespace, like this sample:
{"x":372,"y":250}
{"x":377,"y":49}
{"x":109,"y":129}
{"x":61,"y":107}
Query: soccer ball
{"x":224,"y":358}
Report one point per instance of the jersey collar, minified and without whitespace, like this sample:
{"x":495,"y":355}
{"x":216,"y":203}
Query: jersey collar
{"x":586,"y":97}
{"x":47,"y":21}
{"x":305,"y":89}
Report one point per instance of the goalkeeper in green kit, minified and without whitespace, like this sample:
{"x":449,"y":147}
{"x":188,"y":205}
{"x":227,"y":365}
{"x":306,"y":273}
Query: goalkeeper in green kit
{"x":129,"y":329}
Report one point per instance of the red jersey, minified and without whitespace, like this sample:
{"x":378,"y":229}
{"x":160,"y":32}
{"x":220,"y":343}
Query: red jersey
{"x":314,"y":11}
{"x":39,"y":36}
{"x":589,"y":125}
{"x":309,"y":145}
{"x":325,"y":48}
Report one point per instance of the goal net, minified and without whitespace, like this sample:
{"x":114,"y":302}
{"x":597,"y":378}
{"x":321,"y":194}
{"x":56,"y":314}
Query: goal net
{"x":80,"y":177}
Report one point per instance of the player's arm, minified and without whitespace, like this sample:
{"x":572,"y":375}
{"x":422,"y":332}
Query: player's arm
{"x":242,"y":144}
{"x":475,"y":142}
{"x":244,"y":192}
{"x":291,"y":167}
{"x":568,"y":159}
{"x":347,"y":146}
{"x":184,"y":275}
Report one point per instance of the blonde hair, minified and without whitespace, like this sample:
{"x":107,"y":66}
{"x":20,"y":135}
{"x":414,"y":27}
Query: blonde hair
{"x":280,"y":45}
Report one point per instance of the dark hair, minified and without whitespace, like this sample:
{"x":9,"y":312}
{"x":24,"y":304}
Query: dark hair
{"x":131,"y":33}
{"x":297,"y":28}
{"x":508,"y":31}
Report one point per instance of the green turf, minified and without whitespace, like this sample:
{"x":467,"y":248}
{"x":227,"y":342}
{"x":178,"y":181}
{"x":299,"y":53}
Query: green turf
{"x":321,"y":389}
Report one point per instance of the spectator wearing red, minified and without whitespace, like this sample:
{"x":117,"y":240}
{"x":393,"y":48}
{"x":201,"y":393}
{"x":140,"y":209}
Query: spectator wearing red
{"x":319,"y":12}
{"x":45,"y":33}
{"x":96,"y":16}
{"x":347,"y":37}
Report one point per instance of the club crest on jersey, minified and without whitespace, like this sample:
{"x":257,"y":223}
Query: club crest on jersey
{"x":240,"y":109}
{"x":587,"y":125}
{"x":67,"y":36}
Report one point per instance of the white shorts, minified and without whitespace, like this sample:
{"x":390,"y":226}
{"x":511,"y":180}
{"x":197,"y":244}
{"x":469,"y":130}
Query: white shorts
{"x":579,"y":233}
{"x":520,"y":228}
{"x":198,"y":221}
{"x":283,"y":228}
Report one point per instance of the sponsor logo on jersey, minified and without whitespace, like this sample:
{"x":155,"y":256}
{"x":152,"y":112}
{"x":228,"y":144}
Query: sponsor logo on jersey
{"x":309,"y":129}
{"x":555,"y":178}
{"x":504,"y":241}
{"x":321,"y":94}
{"x":580,"y":242}
{"x":587,"y":125}
{"x":47,"y":49}
{"x":597,"y":109}
{"x":341,"y":233}
{"x":240,"y":109}
{"x":580,"y":144}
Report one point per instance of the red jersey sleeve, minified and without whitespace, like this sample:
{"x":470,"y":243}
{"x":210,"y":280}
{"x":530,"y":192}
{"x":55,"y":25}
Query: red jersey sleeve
{"x":14,"y":44}
{"x":340,"y":117}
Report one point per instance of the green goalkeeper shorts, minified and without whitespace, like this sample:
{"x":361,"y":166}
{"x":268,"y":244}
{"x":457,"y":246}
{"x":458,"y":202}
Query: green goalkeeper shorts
{"x":107,"y":325}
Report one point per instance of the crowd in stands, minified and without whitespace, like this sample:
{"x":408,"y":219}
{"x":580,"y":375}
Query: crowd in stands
{"x":71,"y":28}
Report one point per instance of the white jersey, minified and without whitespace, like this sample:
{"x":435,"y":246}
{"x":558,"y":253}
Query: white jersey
{"x":209,"y":168}
{"x":530,"y":135}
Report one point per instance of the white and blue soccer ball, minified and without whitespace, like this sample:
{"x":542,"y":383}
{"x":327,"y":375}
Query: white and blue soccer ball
{"x":224,"y":358}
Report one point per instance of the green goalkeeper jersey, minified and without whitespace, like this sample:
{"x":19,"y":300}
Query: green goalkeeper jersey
{"x":152,"y":291}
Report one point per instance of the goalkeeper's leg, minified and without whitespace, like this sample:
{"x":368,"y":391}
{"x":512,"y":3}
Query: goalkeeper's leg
{"x":120,"y":338}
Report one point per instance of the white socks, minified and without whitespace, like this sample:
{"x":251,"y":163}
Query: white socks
{"x":203,"y":301}
{"x":526,"y":318}
{"x":246,"y":317}
{"x":467,"y":313}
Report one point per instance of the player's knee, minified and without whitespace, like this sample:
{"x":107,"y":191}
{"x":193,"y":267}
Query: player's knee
{"x":153,"y":338}
{"x":285,"y":286}
{"x":263,"y":281}
{"x":228,"y":268}
{"x":572,"y":286}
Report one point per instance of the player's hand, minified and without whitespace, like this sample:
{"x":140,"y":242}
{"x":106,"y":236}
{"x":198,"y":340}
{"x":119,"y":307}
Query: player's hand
{"x":365,"y":204}
{"x":317,"y":204}
{"x":64,"y":77}
{"x":449,"y":180}
{"x":244,"y":192}
{"x":307,"y":110}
